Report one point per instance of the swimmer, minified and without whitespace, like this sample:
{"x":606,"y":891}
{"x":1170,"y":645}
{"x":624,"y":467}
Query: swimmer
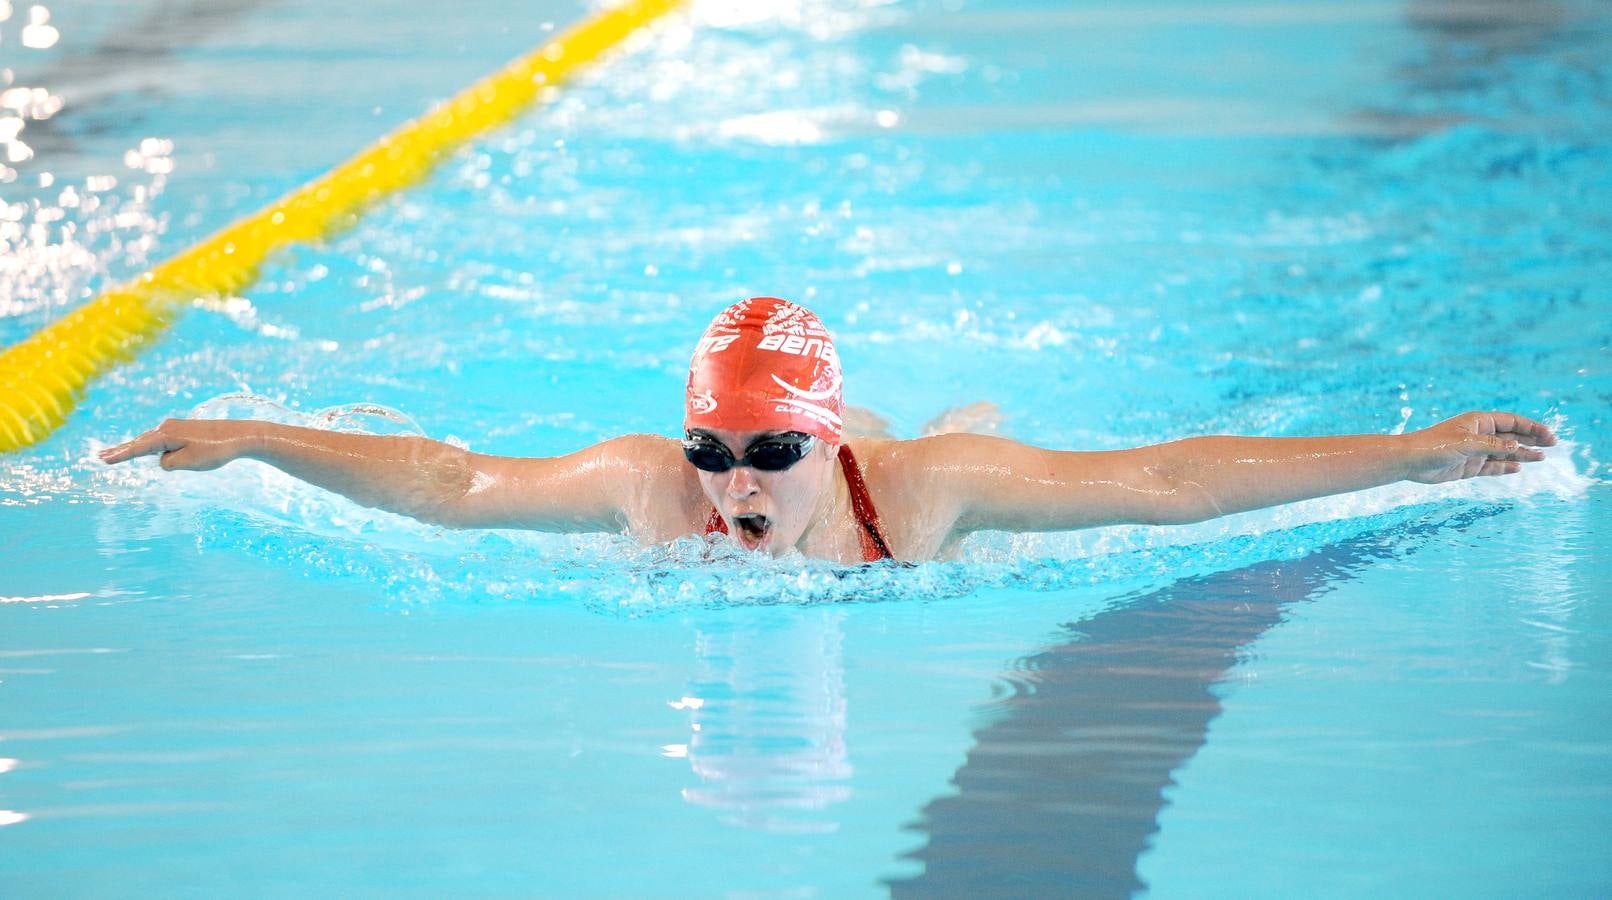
{"x":767,"y":459}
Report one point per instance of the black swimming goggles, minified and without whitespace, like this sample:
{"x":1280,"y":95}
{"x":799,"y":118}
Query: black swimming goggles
{"x":769,"y":453}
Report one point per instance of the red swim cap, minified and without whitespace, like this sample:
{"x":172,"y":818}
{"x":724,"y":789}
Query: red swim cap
{"x":765,"y":364}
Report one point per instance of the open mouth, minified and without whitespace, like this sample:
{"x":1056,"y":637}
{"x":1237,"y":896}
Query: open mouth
{"x":752,"y":530}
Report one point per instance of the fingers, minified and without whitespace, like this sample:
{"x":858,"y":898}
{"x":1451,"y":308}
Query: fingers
{"x":152,"y":442}
{"x":1503,"y":447}
{"x":1523,"y":429}
{"x":1499,"y":467}
{"x":128,"y":449}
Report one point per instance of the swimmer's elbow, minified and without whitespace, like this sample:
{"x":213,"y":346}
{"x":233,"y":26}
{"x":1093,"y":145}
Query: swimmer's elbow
{"x":578,"y":492}
{"x":1177,"y":497}
{"x":440,"y":495}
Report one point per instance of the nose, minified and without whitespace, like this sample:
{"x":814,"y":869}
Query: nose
{"x":742,"y":482}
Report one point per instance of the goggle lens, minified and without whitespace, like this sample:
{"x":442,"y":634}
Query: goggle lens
{"x":771,"y":454}
{"x":707,"y":456}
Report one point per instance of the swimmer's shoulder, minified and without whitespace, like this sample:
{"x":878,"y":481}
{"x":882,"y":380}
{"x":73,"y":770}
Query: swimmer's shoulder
{"x":650,"y":448}
{"x":930,"y":471}
{"x":913,"y":486}
{"x":924,"y":457}
{"x":896,"y":469}
{"x":664,"y":490}
{"x":652,"y":458}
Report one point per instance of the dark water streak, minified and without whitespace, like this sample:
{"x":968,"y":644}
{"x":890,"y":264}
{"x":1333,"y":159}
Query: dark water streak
{"x":1062,"y":790}
{"x":132,"y":60}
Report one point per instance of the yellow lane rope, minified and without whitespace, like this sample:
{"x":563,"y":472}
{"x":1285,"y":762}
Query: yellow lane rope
{"x":43,"y":376}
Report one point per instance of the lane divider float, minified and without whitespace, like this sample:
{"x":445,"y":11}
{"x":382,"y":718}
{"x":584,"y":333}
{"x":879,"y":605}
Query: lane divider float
{"x":43,"y":376}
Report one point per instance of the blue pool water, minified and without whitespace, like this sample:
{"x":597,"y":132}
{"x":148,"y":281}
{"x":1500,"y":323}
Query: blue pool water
{"x":1121,"y":225}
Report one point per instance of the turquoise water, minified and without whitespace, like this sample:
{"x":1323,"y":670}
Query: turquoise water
{"x":1123,"y":226}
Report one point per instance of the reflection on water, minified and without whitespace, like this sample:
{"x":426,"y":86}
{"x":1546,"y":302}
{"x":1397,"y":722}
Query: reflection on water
{"x":39,"y":34}
{"x":7,"y":816}
{"x":767,"y":718}
{"x":134,"y":57}
{"x":1062,"y":790}
{"x":1548,"y":609}
{"x":11,"y":817}
{"x":1467,"y":41}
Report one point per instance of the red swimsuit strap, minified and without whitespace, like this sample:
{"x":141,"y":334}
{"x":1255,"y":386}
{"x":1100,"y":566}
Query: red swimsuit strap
{"x":874,"y":546}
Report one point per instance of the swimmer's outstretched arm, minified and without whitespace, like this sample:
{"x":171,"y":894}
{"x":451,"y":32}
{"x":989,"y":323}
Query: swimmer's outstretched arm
{"x":1002,"y":485}
{"x":590,"y":490}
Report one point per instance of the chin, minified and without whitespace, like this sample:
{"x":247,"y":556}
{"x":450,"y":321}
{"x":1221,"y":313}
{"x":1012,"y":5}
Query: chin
{"x":760,"y":534}
{"x":772,"y":545}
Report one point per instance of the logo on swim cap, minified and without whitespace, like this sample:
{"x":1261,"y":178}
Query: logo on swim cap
{"x":702,"y":403}
{"x":772,"y":365}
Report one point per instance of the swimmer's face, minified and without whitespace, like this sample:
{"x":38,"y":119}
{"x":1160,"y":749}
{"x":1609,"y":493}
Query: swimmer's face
{"x":767,"y":511}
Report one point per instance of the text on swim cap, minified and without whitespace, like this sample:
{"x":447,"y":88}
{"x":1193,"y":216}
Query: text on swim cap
{"x":811,"y":411}
{"x":799,"y":346}
{"x":715,"y":343}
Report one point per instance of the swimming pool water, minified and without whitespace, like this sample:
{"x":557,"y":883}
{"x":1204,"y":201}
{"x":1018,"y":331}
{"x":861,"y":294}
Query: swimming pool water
{"x":1122,"y":225}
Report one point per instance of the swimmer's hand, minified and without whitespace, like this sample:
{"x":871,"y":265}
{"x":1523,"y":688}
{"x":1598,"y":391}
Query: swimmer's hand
{"x":404,"y":474}
{"x":1476,"y":443}
{"x":197,"y":445}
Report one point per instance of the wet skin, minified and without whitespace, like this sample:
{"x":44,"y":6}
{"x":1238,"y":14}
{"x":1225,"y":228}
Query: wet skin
{"x":930,"y":493}
{"x":776,"y":511}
